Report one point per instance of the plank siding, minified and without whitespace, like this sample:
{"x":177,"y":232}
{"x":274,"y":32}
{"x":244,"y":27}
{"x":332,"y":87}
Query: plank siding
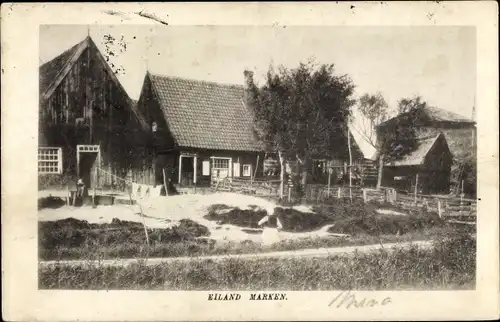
{"x":88,"y":107}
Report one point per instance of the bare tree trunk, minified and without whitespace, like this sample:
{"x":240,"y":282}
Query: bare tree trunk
{"x":380,"y":170}
{"x":282,"y":174}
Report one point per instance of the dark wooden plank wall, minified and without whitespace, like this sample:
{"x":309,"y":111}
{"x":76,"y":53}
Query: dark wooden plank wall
{"x":89,"y":108}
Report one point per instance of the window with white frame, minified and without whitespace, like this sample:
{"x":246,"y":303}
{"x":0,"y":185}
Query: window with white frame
{"x":221,"y":167}
{"x":247,"y":170}
{"x":50,"y":160}
{"x":219,"y":163}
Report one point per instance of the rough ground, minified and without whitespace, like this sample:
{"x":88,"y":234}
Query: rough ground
{"x":164,"y":212}
{"x":314,"y":253}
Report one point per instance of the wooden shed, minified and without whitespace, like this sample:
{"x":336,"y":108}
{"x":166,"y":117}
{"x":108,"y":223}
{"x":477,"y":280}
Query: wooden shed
{"x":428,"y":166}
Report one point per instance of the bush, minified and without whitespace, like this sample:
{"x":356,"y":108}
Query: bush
{"x":297,"y":221}
{"x":379,"y":224}
{"x":50,"y":202}
{"x":236,"y":216}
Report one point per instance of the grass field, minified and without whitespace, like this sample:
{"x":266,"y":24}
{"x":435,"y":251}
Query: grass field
{"x":76,"y":239}
{"x":450,"y":264}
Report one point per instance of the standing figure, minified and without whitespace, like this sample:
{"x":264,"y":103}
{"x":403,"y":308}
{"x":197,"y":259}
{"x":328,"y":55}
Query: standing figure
{"x":80,"y":188}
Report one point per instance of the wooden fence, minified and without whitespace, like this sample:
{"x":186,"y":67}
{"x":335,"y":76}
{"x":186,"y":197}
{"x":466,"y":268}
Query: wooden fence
{"x":448,"y":207}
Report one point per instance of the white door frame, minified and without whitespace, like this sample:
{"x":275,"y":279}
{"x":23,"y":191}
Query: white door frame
{"x":87,"y":148}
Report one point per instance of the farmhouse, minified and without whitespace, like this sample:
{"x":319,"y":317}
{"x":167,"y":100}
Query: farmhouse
{"x":86,"y":119}
{"x":200,"y":130}
{"x":428,"y":167}
{"x":187,"y":132}
{"x":459,"y":132}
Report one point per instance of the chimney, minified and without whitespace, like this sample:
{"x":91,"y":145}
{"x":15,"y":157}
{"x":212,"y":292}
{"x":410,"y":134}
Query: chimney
{"x":248,"y":75}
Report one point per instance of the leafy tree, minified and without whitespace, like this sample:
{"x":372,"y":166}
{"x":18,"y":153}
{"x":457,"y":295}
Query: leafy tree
{"x":302,"y":112}
{"x":374,"y":110}
{"x":407,"y":105}
{"x":398,"y":136}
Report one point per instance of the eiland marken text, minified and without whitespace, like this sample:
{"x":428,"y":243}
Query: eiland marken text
{"x":253,"y":297}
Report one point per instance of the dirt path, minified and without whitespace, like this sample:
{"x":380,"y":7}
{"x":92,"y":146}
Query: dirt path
{"x":303,"y":253}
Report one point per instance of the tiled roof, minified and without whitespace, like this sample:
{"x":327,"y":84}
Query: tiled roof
{"x":205,"y":115}
{"x":438,"y":114}
{"x":50,"y":70}
{"x":417,"y":156}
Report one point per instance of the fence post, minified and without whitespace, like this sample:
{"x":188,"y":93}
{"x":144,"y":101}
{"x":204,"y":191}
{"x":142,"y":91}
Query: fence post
{"x":416,"y":187}
{"x":289,"y":193}
{"x":329,"y":180}
{"x":364,"y":195}
{"x":165,"y":182}
{"x":439,"y":209}
{"x":94,"y":190}
{"x":338,"y":193}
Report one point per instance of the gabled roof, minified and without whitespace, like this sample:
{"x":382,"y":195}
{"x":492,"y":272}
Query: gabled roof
{"x":417,"y":156}
{"x":50,"y":71}
{"x":205,"y":115}
{"x":435,"y":114}
{"x":53,"y":72}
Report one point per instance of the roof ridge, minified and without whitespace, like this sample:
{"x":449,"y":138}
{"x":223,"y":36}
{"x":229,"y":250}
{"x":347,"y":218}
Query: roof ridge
{"x":195,"y":80}
{"x":64,"y":52}
{"x":448,"y":111}
{"x":434,"y":140}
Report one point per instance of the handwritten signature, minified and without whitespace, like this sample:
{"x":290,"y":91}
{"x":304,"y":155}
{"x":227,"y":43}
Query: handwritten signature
{"x":347,"y":299}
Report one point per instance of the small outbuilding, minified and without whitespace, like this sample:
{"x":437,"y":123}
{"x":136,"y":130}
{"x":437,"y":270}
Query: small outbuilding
{"x":428,"y":166}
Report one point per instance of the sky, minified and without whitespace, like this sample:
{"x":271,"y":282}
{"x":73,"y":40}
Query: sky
{"x":435,"y":62}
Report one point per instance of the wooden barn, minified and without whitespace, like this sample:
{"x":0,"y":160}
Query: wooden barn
{"x":428,"y":166}
{"x":201,"y":131}
{"x":459,"y":132}
{"x":86,"y":119}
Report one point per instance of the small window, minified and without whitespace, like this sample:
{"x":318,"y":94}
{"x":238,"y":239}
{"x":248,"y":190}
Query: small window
{"x":50,"y":160}
{"x":247,"y":170}
{"x":218,"y":163}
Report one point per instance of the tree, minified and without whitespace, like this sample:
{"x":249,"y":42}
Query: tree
{"x":406,"y":105}
{"x":374,"y":110}
{"x":302,"y":112}
{"x":398,"y":136}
